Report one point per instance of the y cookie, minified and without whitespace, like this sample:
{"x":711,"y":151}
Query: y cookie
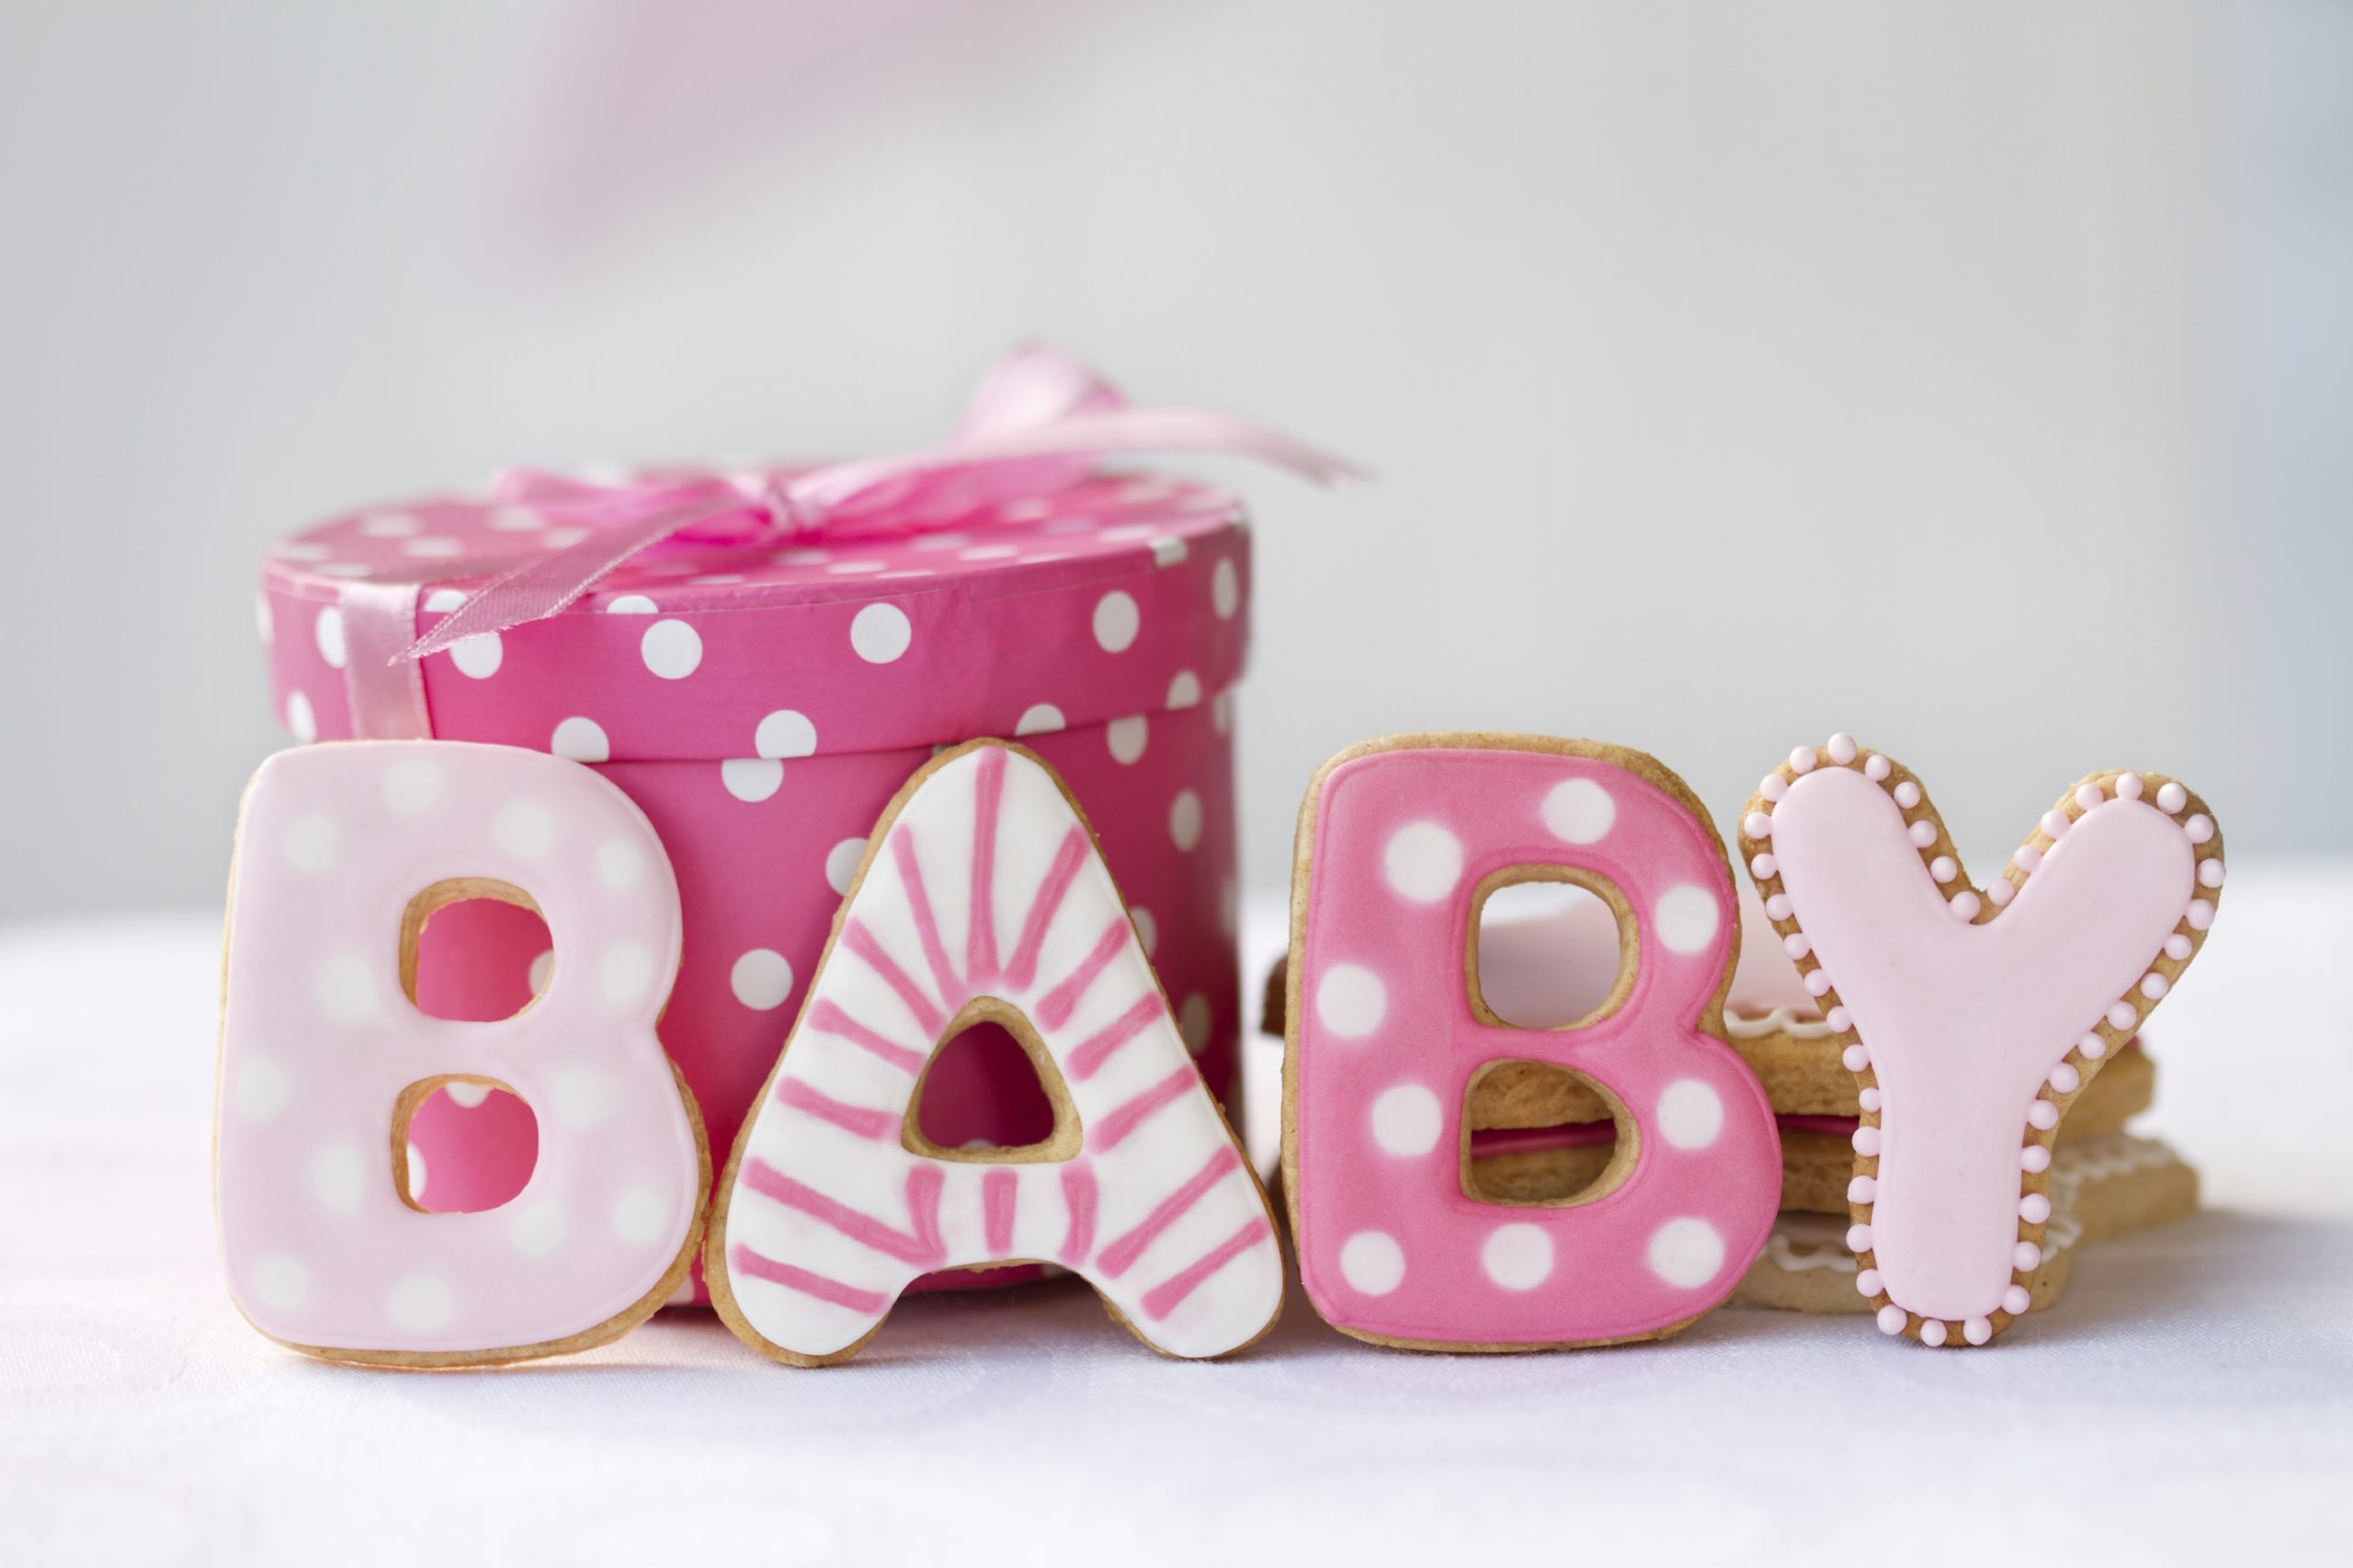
{"x":1972,"y":1018}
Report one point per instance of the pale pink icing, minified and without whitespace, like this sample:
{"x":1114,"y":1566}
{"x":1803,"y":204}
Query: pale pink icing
{"x":985,"y":884}
{"x":318,"y":1043}
{"x":1390,"y":1244}
{"x":1964,"y":1023}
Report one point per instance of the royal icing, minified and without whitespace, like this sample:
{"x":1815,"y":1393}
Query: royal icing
{"x":1804,"y":1243}
{"x":1400,"y":841}
{"x":1971,"y":1021}
{"x":342,"y":852}
{"x":984,"y":896}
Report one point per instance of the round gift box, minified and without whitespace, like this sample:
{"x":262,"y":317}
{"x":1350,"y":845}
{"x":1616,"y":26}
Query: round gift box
{"x":763,"y":705}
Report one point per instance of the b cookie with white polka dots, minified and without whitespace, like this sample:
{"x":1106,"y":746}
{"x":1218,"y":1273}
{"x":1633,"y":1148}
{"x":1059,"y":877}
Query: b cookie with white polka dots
{"x":1400,"y":841}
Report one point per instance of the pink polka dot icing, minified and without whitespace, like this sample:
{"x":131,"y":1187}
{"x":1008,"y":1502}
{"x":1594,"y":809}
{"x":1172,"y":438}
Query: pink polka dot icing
{"x":984,"y":896}
{"x":1977,"y":1032}
{"x":322,"y":1050}
{"x":1391,"y":1247}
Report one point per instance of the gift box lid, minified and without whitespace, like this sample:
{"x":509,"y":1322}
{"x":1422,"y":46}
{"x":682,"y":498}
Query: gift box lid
{"x":1121,"y":593}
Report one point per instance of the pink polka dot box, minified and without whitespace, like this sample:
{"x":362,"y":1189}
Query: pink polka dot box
{"x":762,"y":705}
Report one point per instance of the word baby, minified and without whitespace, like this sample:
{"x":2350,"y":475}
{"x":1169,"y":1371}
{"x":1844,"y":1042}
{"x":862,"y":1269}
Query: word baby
{"x":982,"y":897}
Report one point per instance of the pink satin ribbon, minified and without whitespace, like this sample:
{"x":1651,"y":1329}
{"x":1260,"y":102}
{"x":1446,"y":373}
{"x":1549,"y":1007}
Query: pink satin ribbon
{"x":1037,"y":423}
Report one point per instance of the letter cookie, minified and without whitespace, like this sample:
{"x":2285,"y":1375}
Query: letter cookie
{"x":1400,"y":841}
{"x":1971,"y":1018}
{"x":983,"y":898}
{"x":343,"y":851}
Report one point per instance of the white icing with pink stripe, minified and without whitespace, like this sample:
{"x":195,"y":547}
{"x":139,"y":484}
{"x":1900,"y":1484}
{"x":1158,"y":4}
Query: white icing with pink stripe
{"x":320,"y":1045}
{"x":1969,"y":1027}
{"x":987,"y":896}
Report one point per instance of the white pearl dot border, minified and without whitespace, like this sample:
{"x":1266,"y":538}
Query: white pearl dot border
{"x":1942,"y":863}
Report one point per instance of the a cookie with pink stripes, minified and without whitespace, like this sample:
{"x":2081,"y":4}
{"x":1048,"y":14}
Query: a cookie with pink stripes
{"x":1972,"y":1019}
{"x":983,"y":899}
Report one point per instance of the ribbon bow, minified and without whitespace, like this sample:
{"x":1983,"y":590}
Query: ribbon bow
{"x":1038,"y":422}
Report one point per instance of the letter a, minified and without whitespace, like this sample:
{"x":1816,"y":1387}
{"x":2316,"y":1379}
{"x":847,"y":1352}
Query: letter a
{"x":983,"y":899}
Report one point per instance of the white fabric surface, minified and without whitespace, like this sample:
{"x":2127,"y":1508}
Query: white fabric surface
{"x":2193,"y":1396}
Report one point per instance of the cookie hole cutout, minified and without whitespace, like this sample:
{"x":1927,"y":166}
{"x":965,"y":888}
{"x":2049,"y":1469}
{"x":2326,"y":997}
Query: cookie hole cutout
{"x":474,"y":950}
{"x":999,"y":1100}
{"x":1551,"y":947}
{"x":1553,"y":1138}
{"x":462,"y":1144}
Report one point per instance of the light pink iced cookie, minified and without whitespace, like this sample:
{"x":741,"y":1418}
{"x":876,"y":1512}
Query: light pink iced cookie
{"x":983,"y":899}
{"x":343,"y":852}
{"x":1399,"y":842}
{"x":1972,"y":1018}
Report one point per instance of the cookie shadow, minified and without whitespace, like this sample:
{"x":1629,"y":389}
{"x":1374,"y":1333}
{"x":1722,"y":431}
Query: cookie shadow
{"x":2214,"y":1266}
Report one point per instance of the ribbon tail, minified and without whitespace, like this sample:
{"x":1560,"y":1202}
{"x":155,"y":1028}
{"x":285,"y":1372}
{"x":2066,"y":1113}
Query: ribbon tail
{"x":550,"y":584}
{"x":1093,"y":434}
{"x":386,"y":692}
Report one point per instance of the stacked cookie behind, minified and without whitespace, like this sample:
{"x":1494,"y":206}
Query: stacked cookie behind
{"x":1541,"y":1135}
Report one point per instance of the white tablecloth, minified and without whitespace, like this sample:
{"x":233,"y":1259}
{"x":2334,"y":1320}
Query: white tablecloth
{"x":2191,"y":1398}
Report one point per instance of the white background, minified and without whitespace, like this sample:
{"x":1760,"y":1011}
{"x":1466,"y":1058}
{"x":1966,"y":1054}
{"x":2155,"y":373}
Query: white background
{"x":1973,"y":377}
